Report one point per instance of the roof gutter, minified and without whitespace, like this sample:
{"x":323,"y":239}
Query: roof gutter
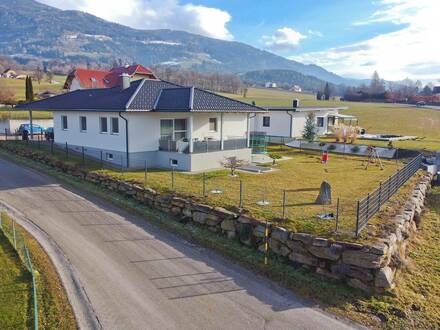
{"x":126,"y":139}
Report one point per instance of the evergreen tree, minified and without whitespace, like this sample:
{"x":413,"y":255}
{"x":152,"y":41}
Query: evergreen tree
{"x":376,"y":84}
{"x":327,"y":91}
{"x":29,"y":89}
{"x":309,"y":132}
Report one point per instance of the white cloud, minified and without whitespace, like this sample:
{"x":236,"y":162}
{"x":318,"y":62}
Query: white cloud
{"x":155,"y":14}
{"x":315,"y":33}
{"x":412,"y":51}
{"x":283,"y":39}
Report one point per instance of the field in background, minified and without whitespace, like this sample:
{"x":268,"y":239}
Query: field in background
{"x":374,"y":117}
{"x":17,"y":86}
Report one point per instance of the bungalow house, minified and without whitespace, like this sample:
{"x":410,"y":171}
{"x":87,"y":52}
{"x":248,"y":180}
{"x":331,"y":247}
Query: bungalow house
{"x":151,"y":121}
{"x":84,"y":78}
{"x":9,"y":73}
{"x":289,"y":122}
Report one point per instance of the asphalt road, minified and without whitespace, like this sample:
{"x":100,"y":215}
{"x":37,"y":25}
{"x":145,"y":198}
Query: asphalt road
{"x":137,"y":276}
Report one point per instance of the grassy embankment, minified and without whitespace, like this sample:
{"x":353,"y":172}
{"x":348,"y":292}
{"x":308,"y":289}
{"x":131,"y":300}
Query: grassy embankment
{"x":413,"y":305}
{"x":16,"y":302}
{"x":374,"y":117}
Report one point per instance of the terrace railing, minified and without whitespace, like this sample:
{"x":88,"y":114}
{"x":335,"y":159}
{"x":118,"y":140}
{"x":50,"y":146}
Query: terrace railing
{"x":202,"y":146}
{"x":371,"y":204}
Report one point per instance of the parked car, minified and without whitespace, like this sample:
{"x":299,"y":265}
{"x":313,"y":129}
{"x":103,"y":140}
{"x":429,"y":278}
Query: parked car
{"x":421,"y":103}
{"x":36,"y":129}
{"x":48,"y":134}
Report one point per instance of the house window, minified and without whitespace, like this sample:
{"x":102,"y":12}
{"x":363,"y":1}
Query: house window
{"x":83,"y":123}
{"x":64,"y":125}
{"x":174,"y":162}
{"x":320,"y":121}
{"x":115,"y":125}
{"x":109,"y":156}
{"x":166,"y":129}
{"x":213,"y":124}
{"x":266,"y":121}
{"x":331,"y":121}
{"x":103,"y":125}
{"x":173,"y":129}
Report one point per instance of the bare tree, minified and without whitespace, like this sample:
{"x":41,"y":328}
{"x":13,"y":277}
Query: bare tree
{"x":233,"y":163}
{"x":38,"y":74}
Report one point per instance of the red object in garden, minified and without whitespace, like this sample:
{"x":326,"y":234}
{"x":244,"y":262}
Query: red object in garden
{"x":324,"y":157}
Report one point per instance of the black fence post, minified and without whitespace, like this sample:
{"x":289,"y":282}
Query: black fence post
{"x":379,"y":204}
{"x":102,"y":163}
{"x":6,"y":134}
{"x":337,"y":217}
{"x":67,"y":151}
{"x":284,"y":204}
{"x":38,"y":141}
{"x":145,"y":174}
{"x":83,"y":155}
{"x":357,"y":219}
{"x":241,"y":194}
{"x":172,"y":178}
{"x":204,"y":185}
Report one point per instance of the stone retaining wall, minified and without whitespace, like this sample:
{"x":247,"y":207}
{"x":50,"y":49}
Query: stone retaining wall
{"x":369,"y":267}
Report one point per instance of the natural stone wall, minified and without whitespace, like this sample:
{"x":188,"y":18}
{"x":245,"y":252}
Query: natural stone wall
{"x":369,"y":267}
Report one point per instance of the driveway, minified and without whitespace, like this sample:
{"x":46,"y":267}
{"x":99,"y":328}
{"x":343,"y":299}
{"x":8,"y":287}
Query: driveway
{"x":137,"y":276}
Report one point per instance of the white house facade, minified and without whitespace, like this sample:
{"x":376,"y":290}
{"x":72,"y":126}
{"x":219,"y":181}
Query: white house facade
{"x":290,"y":121}
{"x":152,"y":123}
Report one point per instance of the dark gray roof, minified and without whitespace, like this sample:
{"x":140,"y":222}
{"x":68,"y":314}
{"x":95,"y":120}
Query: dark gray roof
{"x":142,"y":95}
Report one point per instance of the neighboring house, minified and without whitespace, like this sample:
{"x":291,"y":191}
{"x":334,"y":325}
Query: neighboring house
{"x":436,"y":90}
{"x":290,"y":121}
{"x":151,"y":121}
{"x":8,"y":73}
{"x":85,"y":79}
{"x":296,"y":89}
{"x":270,"y":85}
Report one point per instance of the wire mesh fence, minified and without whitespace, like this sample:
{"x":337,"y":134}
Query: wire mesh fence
{"x":16,"y":238}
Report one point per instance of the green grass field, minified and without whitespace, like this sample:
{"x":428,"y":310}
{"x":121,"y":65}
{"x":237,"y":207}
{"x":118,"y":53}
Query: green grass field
{"x":17,"y":86}
{"x":374,"y":117}
{"x":16,"y":299}
{"x":15,"y":289}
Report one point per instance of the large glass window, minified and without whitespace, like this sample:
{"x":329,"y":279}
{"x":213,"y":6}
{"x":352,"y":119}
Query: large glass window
{"x":83,"y":123}
{"x":103,"y":125}
{"x":166,"y":129}
{"x":173,"y":129}
{"x":320,"y":121}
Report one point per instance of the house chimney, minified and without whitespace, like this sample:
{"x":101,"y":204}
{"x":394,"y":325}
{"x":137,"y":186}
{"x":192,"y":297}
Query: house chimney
{"x":295,"y":103}
{"x":125,"y":81}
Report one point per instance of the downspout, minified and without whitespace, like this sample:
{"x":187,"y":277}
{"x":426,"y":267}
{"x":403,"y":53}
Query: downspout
{"x":126,"y":139}
{"x":291,"y":122}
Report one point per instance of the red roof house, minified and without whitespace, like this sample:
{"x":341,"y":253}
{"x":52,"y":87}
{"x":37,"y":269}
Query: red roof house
{"x":85,"y":79}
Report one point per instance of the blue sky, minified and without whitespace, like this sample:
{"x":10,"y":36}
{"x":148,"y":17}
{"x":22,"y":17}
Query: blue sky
{"x":349,"y":37}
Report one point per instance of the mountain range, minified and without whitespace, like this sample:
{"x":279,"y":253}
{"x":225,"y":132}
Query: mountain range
{"x":30,"y":30}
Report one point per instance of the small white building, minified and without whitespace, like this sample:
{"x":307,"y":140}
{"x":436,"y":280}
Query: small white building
{"x":270,"y":85}
{"x":296,"y":89}
{"x":290,"y":121}
{"x":152,"y":122}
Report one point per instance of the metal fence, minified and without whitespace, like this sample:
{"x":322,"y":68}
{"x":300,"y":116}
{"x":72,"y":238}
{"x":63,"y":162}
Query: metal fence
{"x":16,"y":238}
{"x":371,"y":204}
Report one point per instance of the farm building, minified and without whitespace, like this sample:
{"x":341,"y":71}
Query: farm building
{"x":9,"y":73}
